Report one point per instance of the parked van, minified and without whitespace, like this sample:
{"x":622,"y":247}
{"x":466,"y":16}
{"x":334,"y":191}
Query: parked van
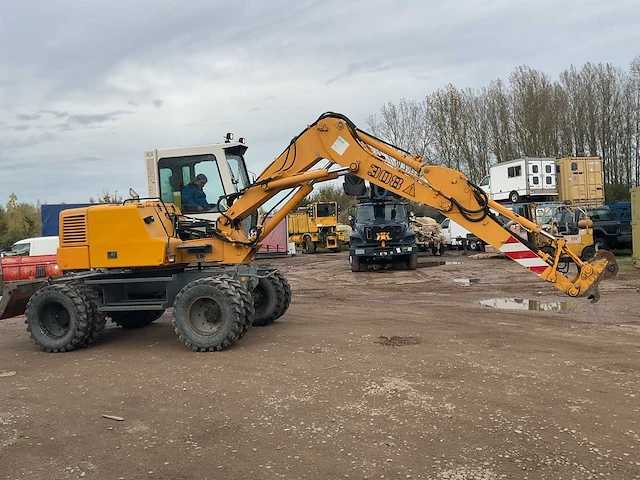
{"x":521,"y":178}
{"x":453,"y":233}
{"x":30,"y":247}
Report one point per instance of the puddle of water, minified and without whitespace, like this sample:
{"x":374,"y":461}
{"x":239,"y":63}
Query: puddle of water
{"x":465,"y":282}
{"x":527,"y":304}
{"x":438,"y":263}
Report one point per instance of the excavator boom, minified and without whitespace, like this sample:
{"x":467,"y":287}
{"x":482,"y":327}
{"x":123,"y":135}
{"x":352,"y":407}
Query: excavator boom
{"x":334,"y":140}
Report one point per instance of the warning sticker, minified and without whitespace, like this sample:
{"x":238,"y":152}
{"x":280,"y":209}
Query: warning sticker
{"x":410,"y":190}
{"x":340,"y":146}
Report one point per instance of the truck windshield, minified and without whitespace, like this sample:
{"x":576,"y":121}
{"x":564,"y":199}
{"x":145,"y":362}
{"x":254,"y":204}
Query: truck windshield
{"x":326,"y":210}
{"x":379,"y":213}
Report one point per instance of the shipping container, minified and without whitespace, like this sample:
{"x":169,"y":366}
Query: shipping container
{"x":635,"y":223}
{"x":580,"y":181}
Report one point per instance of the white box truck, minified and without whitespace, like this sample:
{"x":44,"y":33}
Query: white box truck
{"x":522,"y":178}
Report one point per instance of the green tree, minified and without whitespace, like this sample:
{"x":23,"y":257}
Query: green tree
{"x":19,"y":221}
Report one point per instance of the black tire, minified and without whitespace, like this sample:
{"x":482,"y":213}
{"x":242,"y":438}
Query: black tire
{"x":247,"y":301}
{"x":135,"y":319}
{"x":434,"y":249}
{"x":209,"y":314}
{"x":473,"y":245}
{"x":286,"y":300}
{"x":412,"y":262}
{"x":269,"y":300}
{"x":601,"y":244}
{"x":514,"y":197}
{"x":309,"y":246}
{"x":441,"y":249}
{"x":588,"y":253}
{"x":57,"y":318}
{"x":356,"y":265}
{"x":97,"y":319}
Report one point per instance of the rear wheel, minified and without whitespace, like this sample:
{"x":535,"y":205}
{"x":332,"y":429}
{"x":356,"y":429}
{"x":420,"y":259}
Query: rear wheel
{"x":441,"y":249}
{"x":601,"y":244}
{"x":412,"y":262}
{"x":514,"y":197}
{"x":209,"y":314}
{"x":57,"y":318}
{"x":309,"y":246}
{"x":135,"y":319}
{"x":269,"y":300}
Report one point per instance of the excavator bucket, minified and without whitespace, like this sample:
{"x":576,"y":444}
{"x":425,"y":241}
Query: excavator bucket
{"x":610,"y":270}
{"x":15,"y":296}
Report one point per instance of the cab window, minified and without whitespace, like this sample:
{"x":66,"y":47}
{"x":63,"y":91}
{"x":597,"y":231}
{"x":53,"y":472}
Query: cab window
{"x":21,"y":249}
{"x":176,"y":173}
{"x":485,"y":181}
{"x":239,"y":175}
{"x":326,"y":210}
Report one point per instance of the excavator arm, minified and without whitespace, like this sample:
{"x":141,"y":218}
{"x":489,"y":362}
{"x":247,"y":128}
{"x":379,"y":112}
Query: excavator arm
{"x":333,"y":146}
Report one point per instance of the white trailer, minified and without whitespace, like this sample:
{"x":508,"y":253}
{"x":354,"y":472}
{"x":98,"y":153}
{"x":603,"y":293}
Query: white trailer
{"x":521,"y":178}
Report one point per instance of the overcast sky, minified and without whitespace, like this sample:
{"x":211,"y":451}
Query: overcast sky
{"x":86,"y":87}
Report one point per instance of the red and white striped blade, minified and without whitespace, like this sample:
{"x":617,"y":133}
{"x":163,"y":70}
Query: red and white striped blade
{"x":518,"y":252}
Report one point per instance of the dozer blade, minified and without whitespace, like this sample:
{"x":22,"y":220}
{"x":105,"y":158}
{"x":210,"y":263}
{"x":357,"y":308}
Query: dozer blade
{"x":15,"y":296}
{"x":610,"y":270}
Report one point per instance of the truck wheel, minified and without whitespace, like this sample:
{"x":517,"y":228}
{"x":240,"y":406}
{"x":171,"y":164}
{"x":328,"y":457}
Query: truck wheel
{"x":97,"y":319}
{"x":441,"y":249}
{"x":412,"y":262}
{"x":135,"y":319}
{"x":209,"y":314}
{"x":356,"y":265}
{"x":514,"y":197}
{"x":588,"y":253}
{"x":269,"y":300}
{"x":309,"y":246}
{"x":474,"y":245}
{"x":601,"y":244}
{"x":434,"y":249}
{"x":57,"y":318}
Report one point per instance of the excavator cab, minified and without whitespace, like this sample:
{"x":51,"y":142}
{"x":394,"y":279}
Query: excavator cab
{"x":171,"y":170}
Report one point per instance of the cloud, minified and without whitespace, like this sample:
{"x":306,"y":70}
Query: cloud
{"x":105,"y":86}
{"x":26,"y":117}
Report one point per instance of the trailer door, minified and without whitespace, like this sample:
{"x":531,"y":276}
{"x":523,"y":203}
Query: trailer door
{"x":534,"y":175}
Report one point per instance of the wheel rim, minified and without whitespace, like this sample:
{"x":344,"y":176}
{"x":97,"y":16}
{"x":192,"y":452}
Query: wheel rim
{"x":259,"y":300}
{"x":54,"y":320}
{"x":204,"y":315}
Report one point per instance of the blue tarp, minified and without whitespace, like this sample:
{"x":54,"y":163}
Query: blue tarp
{"x":51,"y":217}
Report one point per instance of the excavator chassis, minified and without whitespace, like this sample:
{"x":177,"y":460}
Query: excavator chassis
{"x":213,"y":306}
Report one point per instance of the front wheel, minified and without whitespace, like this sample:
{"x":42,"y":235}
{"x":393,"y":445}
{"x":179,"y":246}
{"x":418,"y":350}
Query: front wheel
{"x":209,"y":314}
{"x":588,"y":253}
{"x":412,"y":262}
{"x":356,"y":265}
{"x":309,"y":246}
{"x":514,"y":197}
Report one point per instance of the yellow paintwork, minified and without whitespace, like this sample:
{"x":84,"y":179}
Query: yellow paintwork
{"x":301,"y":225}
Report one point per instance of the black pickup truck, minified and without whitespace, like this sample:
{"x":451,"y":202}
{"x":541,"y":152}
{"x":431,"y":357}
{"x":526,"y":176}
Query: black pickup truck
{"x":606,"y":230}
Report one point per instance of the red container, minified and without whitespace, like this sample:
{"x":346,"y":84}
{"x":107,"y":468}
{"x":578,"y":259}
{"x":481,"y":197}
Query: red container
{"x":28,"y":268}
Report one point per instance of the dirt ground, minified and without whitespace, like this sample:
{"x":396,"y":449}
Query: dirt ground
{"x":385,"y":374}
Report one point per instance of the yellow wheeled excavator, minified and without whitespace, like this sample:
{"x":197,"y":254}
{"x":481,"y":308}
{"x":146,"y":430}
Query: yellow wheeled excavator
{"x":133,"y":260}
